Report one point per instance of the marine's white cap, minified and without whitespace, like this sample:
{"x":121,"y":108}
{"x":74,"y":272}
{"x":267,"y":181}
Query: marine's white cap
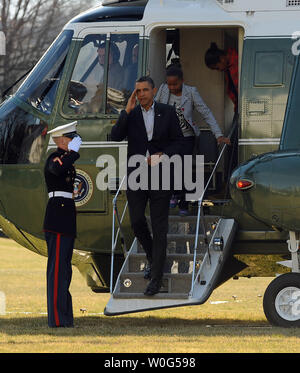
{"x":68,"y":129}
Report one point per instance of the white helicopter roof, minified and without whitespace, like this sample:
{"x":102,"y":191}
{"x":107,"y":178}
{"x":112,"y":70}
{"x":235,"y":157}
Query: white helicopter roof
{"x":257,"y":5}
{"x":258,"y":18}
{"x":268,"y":18}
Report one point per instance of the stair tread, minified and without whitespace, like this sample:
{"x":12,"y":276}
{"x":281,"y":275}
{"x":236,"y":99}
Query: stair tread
{"x":161,"y":295}
{"x":179,"y":237}
{"x":192,"y":217}
{"x":183,"y":235}
{"x":177,"y":255}
{"x":166,"y":275}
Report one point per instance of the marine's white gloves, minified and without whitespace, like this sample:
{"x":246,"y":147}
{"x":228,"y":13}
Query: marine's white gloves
{"x":75,"y":144}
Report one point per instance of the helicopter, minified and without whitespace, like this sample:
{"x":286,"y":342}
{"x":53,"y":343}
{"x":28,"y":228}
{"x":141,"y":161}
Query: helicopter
{"x":246,"y":221}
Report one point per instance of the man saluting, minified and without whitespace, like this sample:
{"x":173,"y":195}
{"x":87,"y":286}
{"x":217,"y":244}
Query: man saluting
{"x":152,"y":130}
{"x":60,"y":223}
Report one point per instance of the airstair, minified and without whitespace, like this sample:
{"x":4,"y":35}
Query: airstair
{"x":197,"y":250}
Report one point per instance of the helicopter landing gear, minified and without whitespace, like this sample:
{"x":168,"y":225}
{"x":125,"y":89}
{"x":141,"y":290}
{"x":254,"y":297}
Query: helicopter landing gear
{"x":281,"y":301}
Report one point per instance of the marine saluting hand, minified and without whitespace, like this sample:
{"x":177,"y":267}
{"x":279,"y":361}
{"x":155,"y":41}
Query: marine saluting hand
{"x":75,"y":144}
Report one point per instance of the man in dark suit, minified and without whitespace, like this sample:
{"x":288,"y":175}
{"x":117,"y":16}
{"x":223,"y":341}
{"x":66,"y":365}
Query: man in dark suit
{"x":152,"y":130}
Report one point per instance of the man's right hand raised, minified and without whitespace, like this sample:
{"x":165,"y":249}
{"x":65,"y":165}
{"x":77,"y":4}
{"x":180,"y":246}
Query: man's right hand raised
{"x":131,"y":102}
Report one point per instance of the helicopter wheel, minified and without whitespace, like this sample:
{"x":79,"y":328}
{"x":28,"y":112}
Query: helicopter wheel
{"x":281,"y":301}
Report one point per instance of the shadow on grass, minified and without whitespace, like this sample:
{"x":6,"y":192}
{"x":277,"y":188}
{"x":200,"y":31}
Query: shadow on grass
{"x":143,"y":326}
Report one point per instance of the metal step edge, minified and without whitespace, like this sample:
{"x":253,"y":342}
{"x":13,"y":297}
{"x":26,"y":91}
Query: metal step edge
{"x":213,"y":202}
{"x":165,"y":276}
{"x":181,"y":236}
{"x":117,"y":306}
{"x":156,"y":296}
{"x":169,"y":255}
{"x":186,"y":219}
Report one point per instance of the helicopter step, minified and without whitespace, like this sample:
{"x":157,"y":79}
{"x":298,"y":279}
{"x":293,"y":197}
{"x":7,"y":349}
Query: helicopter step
{"x":187,"y":224}
{"x":181,"y":243}
{"x":175,"y":263}
{"x":171,"y":283}
{"x":189,"y":277}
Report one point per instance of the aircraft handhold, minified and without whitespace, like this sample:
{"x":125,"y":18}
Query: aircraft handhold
{"x":127,"y":283}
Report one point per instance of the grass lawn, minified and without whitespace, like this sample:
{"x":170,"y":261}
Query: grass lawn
{"x":232,"y":320}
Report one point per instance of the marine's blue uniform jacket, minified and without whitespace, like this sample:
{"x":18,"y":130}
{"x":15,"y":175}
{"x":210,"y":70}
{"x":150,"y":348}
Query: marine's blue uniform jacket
{"x":60,"y":216}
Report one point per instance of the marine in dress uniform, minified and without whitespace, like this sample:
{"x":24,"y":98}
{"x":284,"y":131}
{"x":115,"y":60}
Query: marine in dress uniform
{"x":60,"y":223}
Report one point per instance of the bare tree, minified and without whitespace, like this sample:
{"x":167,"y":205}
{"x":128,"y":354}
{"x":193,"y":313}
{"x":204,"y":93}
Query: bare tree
{"x":30,"y":26}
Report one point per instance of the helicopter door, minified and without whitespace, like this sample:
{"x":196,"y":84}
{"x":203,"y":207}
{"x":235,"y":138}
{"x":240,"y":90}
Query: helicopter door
{"x":267,"y":67}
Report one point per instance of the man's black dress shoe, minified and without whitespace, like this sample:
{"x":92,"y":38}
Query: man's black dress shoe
{"x":147,"y":272}
{"x":153,"y":287}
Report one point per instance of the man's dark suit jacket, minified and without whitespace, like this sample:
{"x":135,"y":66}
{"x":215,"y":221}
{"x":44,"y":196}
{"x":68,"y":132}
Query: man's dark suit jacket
{"x":167,"y":135}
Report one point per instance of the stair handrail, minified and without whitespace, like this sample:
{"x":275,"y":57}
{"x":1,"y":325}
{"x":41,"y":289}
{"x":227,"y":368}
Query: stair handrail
{"x":200,"y":200}
{"x":114,"y":238}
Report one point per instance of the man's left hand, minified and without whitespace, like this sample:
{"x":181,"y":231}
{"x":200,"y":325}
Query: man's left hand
{"x":154,"y":159}
{"x":223,"y":140}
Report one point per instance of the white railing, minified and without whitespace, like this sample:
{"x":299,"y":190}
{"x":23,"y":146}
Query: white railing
{"x":200,"y":217}
{"x":119,"y":231}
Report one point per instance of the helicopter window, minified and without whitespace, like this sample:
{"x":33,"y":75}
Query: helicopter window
{"x":40,"y":88}
{"x":85,"y":92}
{"x":269,"y":67}
{"x":22,"y":136}
{"x":122,"y":70}
{"x":86,"y":86}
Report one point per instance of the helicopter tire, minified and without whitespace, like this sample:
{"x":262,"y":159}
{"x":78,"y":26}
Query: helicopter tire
{"x":281,"y":301}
